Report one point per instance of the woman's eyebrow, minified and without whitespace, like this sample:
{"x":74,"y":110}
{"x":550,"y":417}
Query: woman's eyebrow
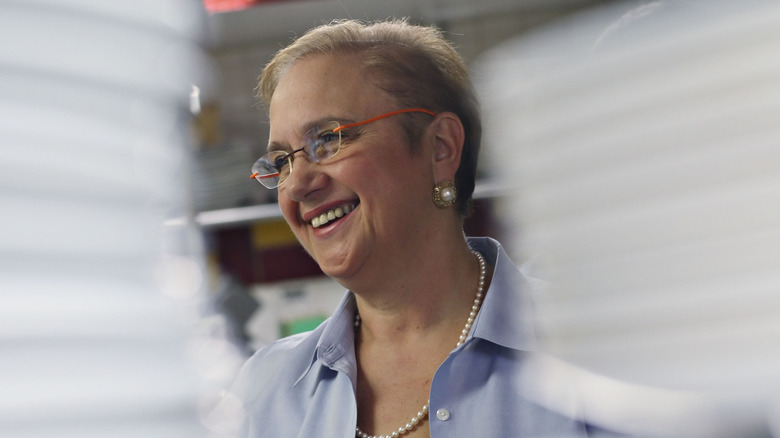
{"x":275,"y":146}
{"x":306,"y":127}
{"x":319,"y":122}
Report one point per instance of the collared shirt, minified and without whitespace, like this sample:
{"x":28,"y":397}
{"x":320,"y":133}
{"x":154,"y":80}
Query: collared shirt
{"x":304,"y":385}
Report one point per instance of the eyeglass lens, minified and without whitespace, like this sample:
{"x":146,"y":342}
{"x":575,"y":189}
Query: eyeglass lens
{"x":319,"y":143}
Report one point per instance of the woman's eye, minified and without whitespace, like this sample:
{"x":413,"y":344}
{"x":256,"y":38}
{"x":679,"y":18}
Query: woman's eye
{"x":279,"y":163}
{"x":328,"y":137}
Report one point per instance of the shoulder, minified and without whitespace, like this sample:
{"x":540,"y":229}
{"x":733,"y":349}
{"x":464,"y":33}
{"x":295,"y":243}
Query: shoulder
{"x":275,"y":366}
{"x":284,"y":350}
{"x":283,"y":363}
{"x":264,"y":392}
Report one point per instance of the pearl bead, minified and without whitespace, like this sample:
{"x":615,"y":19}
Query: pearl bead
{"x":447,"y":194}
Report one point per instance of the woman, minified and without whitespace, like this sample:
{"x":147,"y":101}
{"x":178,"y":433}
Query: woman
{"x":374,"y":134}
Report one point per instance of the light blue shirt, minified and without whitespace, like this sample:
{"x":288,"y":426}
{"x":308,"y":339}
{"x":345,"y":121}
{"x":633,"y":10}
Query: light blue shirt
{"x":304,"y":385}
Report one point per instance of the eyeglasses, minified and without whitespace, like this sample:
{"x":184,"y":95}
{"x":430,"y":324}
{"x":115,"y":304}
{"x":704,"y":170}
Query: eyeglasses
{"x":319,"y":143}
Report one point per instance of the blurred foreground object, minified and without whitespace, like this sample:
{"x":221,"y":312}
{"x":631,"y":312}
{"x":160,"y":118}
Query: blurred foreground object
{"x":94,"y":292}
{"x":643,"y":144}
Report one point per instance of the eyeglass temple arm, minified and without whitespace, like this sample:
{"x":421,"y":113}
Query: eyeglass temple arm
{"x":257,"y":175}
{"x":408,"y":110}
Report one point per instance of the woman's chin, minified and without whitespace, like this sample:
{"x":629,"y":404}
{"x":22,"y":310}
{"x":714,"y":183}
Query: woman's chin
{"x":336,"y":266}
{"x":338,"y":273}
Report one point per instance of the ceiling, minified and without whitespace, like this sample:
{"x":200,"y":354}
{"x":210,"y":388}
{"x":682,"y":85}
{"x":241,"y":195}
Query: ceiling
{"x":262,"y":20}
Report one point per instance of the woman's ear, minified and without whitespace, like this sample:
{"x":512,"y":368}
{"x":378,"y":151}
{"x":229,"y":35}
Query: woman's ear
{"x":448,"y":138}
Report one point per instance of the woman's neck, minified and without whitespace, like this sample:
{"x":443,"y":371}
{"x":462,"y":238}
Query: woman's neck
{"x":418,"y":298}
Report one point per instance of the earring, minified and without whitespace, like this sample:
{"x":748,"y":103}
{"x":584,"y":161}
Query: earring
{"x":444,"y":194}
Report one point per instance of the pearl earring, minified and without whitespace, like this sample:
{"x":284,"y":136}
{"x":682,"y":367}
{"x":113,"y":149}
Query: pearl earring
{"x":444,"y":194}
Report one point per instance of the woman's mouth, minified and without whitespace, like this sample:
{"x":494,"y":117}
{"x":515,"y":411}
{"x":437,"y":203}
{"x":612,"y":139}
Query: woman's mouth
{"x":333,"y":214}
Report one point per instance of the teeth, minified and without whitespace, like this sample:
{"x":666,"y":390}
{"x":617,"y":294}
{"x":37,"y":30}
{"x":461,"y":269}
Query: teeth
{"x":331,"y":215}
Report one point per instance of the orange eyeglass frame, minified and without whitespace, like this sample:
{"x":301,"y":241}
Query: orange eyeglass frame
{"x":350,"y":125}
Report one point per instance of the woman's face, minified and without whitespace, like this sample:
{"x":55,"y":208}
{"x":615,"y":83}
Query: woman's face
{"x":385,"y":187}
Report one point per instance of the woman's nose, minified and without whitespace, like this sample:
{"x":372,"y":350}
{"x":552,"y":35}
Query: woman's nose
{"x":306,"y":178}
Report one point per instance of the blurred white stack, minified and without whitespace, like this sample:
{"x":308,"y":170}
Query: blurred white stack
{"x":222,"y":180}
{"x":95,"y":126}
{"x":643,"y":141}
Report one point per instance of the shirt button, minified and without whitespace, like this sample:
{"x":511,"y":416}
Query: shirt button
{"x":443,"y":414}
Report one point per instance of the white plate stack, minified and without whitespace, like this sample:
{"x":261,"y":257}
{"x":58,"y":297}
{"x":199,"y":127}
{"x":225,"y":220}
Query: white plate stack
{"x":643,"y":144}
{"x":94,"y":116}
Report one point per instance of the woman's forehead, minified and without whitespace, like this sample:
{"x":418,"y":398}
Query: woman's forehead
{"x":324,"y":86}
{"x":319,"y":74}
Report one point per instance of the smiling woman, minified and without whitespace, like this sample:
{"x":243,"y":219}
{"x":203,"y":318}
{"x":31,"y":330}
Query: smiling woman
{"x":374,"y":137}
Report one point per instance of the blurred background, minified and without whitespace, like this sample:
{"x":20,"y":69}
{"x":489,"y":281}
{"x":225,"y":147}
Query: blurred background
{"x":631,"y":163}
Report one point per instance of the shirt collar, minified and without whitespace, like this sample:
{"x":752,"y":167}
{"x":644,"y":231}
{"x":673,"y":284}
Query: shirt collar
{"x":506,"y":316}
{"x":504,"y":319}
{"x":336,"y":345}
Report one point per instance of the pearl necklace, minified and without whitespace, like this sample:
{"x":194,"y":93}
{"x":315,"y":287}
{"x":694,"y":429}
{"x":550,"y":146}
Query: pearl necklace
{"x":463,"y":334}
